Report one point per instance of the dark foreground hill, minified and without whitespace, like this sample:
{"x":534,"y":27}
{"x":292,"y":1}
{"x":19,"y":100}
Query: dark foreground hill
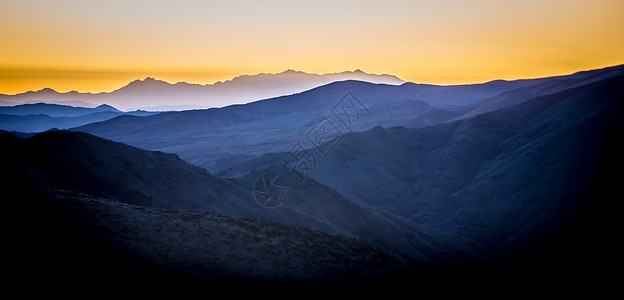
{"x":149,"y":219}
{"x":78,"y":161}
{"x":63,"y":237}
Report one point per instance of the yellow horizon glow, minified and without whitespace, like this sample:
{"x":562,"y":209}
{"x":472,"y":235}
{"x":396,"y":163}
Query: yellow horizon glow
{"x":101,"y":46}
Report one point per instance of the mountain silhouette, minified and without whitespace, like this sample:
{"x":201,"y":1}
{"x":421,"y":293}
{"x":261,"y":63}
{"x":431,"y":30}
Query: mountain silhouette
{"x":153,"y":94}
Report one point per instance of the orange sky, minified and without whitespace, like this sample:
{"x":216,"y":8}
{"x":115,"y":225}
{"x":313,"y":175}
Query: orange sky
{"x":102,"y":45}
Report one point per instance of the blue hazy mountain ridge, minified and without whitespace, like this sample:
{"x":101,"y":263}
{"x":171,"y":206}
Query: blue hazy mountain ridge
{"x":508,"y":180}
{"x":154,"y":94}
{"x":40,"y":117}
{"x":81,"y":162}
{"x":54,"y":110}
{"x":218,"y":138}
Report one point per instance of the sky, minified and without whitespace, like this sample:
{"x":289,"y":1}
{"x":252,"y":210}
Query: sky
{"x":94,"y":46}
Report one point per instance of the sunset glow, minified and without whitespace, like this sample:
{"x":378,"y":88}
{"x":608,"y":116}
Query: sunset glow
{"x":94,"y":46}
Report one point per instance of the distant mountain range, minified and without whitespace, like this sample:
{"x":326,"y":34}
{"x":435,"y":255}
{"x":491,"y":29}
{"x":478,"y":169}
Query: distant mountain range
{"x":152,"y":94}
{"x":54,"y":110}
{"x":216,"y":139}
{"x":43,"y":116}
